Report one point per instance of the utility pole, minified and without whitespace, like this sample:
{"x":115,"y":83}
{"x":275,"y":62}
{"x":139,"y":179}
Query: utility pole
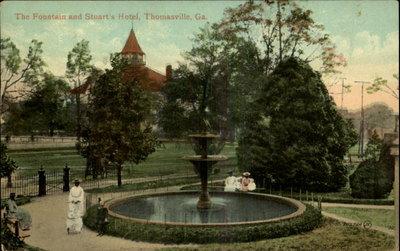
{"x":362,"y":128}
{"x":342,"y":93}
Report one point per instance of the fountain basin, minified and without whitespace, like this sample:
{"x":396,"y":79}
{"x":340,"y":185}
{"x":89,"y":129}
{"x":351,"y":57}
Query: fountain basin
{"x":228,"y":209}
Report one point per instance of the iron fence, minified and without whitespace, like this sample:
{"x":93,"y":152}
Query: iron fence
{"x":54,"y":182}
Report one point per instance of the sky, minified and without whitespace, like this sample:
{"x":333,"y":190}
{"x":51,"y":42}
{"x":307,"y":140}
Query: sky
{"x":365,"y":32}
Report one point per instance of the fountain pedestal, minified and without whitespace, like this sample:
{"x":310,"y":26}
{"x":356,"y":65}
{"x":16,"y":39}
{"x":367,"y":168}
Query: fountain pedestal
{"x":203,"y":166}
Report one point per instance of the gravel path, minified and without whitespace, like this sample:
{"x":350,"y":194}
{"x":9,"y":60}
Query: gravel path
{"x":48,"y":230}
{"x":49,"y":217}
{"x":357,"y":223}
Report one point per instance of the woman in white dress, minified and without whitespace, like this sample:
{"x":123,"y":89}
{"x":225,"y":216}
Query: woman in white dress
{"x":75,"y":209}
{"x":231,"y":183}
{"x":247,"y":183}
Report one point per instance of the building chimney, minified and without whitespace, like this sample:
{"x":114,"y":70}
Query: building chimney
{"x":168,"y":72}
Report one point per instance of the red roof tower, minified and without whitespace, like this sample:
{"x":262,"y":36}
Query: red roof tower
{"x":131,"y":45}
{"x":148,"y":78}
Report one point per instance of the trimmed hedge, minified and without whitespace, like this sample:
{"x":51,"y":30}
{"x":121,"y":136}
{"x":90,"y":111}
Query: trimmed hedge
{"x":311,"y":219}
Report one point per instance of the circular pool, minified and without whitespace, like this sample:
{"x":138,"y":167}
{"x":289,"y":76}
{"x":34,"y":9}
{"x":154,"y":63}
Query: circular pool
{"x":228,"y":208}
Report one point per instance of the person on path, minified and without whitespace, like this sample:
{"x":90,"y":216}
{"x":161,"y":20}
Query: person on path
{"x":102,"y":218}
{"x":76,"y":210}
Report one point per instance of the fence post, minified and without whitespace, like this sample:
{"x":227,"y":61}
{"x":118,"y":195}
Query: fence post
{"x":66,"y":179}
{"x":42,"y":182}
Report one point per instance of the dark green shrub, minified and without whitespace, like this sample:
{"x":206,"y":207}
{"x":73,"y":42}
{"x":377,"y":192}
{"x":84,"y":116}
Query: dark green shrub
{"x":8,"y":238}
{"x":311,"y":219}
{"x":370,"y":181}
{"x":293,"y":133}
{"x":373,"y":179}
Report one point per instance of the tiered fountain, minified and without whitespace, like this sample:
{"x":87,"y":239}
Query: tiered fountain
{"x":203,"y":164}
{"x":187,"y":208}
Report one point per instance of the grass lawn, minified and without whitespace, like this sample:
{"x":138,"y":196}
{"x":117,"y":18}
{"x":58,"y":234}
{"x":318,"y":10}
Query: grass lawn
{"x":333,"y":235}
{"x":165,"y":160}
{"x":30,"y":161}
{"x":377,"y":217}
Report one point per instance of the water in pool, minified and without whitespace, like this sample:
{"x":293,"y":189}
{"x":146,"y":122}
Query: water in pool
{"x":182,"y":208}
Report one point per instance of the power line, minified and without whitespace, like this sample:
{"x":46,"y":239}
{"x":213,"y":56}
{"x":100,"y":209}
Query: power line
{"x":342,"y":93}
{"x":361,"y":136}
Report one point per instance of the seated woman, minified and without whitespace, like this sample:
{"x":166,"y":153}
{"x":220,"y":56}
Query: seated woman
{"x":11,"y":208}
{"x":14,"y":213}
{"x":231,"y":183}
{"x":247,"y":183}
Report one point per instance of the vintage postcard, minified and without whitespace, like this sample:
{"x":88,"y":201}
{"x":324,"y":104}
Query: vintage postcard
{"x":199,"y":125}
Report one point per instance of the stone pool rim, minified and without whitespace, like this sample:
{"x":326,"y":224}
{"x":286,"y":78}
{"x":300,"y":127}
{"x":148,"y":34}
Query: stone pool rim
{"x":299,"y":206}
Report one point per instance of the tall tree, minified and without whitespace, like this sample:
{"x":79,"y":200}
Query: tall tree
{"x":381,"y":84}
{"x":46,"y":108}
{"x":376,"y":115}
{"x":294,"y":133}
{"x":94,"y":166}
{"x":251,"y":39}
{"x":269,"y":32}
{"x":15,"y":70}
{"x":282,"y":29}
{"x":79,"y":68}
{"x":119,"y":112}
{"x":183,"y":110}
